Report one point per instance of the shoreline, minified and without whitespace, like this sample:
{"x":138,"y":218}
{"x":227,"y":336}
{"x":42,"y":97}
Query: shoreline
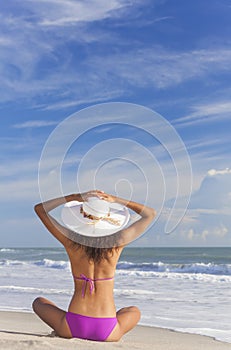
{"x":24,"y":330}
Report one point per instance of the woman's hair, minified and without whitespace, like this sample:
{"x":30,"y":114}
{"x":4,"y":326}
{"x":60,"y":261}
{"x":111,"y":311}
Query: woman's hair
{"x":97,"y":254}
{"x":97,"y":248}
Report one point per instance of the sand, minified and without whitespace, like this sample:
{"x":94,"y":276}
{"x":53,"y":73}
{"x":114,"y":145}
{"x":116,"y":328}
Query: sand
{"x":22,"y":330}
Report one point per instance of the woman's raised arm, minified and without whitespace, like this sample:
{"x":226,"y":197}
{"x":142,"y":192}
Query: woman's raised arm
{"x":54,"y":227}
{"x":132,"y":232}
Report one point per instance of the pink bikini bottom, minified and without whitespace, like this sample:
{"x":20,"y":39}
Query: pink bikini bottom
{"x":91,"y":328}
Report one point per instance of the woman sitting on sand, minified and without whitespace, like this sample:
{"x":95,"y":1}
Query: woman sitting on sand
{"x":92,"y":314}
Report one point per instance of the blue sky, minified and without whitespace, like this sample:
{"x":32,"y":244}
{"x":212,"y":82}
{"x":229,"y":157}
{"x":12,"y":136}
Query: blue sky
{"x":173,"y":57}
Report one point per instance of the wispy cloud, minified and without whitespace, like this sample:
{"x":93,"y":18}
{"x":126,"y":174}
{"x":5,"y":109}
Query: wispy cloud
{"x":35,"y":124}
{"x":43,"y":45}
{"x":30,"y":43}
{"x":154,"y":68}
{"x":59,"y":13}
{"x":203,"y":143}
{"x":95,"y":97}
{"x":206,"y":113}
{"x":162,"y":68}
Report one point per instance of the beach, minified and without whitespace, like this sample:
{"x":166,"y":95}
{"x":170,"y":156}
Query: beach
{"x":24,"y":330}
{"x":184,"y":290}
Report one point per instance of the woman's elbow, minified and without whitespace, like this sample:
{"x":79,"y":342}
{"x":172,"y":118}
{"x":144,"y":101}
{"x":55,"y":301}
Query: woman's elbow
{"x":152,"y":213}
{"x":149,"y":213}
{"x":38,"y":208}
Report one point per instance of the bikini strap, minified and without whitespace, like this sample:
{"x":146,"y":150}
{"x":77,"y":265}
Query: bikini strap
{"x":91,"y":282}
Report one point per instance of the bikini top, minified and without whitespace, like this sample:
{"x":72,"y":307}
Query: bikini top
{"x":91,"y":282}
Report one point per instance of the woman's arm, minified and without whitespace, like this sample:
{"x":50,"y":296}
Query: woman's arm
{"x":56,"y":229}
{"x":137,"y":228}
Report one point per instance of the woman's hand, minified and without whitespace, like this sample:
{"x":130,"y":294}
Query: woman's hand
{"x":100,"y":194}
{"x":107,"y":197}
{"x":93,"y":193}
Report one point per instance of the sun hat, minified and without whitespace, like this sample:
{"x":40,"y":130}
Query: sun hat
{"x":95,"y":217}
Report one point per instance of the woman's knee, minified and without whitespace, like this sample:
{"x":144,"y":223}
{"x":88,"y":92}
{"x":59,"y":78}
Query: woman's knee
{"x":131,"y":309}
{"x":130,"y":313}
{"x":128,"y":317}
{"x":134,"y":309}
{"x":38,"y":301}
{"x":136,"y":312}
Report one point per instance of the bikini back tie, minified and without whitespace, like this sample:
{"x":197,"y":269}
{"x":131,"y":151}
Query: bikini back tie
{"x":91,"y":282}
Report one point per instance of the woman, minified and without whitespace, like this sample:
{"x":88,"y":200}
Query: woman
{"x":91,"y":314}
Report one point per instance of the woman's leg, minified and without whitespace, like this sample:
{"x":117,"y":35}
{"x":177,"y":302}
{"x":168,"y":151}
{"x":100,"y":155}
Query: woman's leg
{"x":52,"y":315}
{"x":127,"y":317}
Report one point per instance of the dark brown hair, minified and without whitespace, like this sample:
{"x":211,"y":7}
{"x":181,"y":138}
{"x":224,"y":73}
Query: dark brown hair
{"x":97,"y":248}
{"x":98,"y":254}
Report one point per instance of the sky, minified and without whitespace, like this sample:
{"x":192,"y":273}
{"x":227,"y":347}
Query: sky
{"x":132,"y":97}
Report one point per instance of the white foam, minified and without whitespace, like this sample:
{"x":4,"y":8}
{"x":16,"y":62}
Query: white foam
{"x":7,"y":250}
{"x":197,"y":268}
{"x":21,"y":289}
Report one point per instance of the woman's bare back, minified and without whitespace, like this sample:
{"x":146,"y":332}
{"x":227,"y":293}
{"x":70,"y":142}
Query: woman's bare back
{"x":99,"y":300}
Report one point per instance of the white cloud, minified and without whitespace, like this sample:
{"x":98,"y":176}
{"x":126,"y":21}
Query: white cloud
{"x":162,"y":68}
{"x":202,"y":143}
{"x":206,"y":223}
{"x":95,"y":97}
{"x":212,"y":197}
{"x":214,"y":172}
{"x":27,"y":44}
{"x":60,"y":13}
{"x":190,"y":234}
{"x":221,"y":231}
{"x":212,"y":235}
{"x":35,"y":124}
{"x":204,"y":235}
{"x":207,"y":113}
{"x":36,"y":58}
{"x":208,"y":220}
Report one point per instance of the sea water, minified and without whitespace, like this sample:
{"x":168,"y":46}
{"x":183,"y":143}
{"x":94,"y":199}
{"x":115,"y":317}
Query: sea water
{"x":185,"y":289}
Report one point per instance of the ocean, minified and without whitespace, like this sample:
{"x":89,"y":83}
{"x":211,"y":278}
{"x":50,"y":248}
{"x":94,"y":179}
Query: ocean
{"x":184,"y":289}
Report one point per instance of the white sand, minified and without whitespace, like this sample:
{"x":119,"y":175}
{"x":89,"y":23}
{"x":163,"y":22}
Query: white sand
{"x":19,"y":331}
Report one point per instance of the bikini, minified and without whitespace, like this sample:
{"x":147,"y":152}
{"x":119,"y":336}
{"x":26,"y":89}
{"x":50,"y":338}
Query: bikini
{"x":87,"y":327}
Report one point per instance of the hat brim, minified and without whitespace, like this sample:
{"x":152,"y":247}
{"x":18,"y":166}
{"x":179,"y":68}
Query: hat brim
{"x":74,"y":220}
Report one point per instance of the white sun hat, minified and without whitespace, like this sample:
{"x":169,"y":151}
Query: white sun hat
{"x":95,"y":217}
